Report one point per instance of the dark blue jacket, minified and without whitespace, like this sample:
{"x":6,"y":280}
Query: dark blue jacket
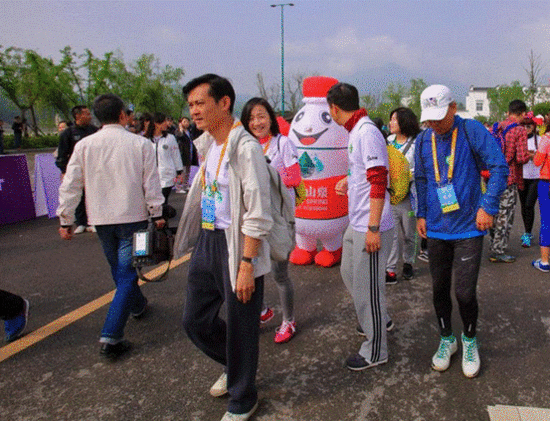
{"x":474,"y":152}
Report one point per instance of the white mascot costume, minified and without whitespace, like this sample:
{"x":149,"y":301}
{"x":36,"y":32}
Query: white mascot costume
{"x":322,"y":153}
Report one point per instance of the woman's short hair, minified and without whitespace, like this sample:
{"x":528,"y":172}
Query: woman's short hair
{"x":407,"y":120}
{"x":247,"y":111}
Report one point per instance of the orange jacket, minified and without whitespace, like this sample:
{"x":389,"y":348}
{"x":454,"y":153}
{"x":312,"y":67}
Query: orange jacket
{"x":542,"y":158}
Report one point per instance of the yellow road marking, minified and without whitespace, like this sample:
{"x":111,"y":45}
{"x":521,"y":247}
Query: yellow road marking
{"x":64,"y":321}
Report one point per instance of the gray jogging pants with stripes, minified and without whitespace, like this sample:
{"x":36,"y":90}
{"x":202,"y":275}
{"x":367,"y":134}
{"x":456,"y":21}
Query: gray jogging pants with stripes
{"x":364,"y":276}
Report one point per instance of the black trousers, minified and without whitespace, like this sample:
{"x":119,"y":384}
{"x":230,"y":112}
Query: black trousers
{"x":166,"y":193}
{"x":233,"y":342}
{"x":528,"y":199}
{"x":461,"y":258}
{"x":80,"y":212}
{"x":11,"y":305}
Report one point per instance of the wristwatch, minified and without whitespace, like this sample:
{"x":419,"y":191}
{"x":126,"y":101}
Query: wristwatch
{"x":251,"y":260}
{"x":374,"y":228}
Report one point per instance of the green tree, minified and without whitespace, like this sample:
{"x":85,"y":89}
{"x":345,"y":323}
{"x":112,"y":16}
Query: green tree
{"x":13,"y":68}
{"x":52,"y":83}
{"x":415,"y":90}
{"x":106,"y":74}
{"x":542,"y":108}
{"x":482,"y":119}
{"x":394,"y":95}
{"x":33,"y":82}
{"x":143,"y":83}
{"x":369,"y":102}
{"x":153,"y":88}
{"x":501,"y":96}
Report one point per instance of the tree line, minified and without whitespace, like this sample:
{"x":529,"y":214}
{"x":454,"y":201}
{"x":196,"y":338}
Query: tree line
{"x":34,"y":83}
{"x":396,"y":95}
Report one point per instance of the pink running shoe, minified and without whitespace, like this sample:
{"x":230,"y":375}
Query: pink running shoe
{"x":285,"y":332}
{"x":266,"y":315}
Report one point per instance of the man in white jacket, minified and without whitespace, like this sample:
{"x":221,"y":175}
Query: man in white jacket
{"x":231,"y":255}
{"x":122,"y":190}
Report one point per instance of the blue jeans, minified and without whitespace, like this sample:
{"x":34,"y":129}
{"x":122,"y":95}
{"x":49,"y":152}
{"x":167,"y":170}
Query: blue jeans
{"x":117,"y":246}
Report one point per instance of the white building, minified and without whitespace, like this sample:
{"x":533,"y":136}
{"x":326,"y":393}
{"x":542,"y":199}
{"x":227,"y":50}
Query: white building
{"x":477,"y":101}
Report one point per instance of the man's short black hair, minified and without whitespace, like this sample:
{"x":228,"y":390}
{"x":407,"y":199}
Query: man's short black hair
{"x":517,"y":106}
{"x":107,"y":108}
{"x":77,"y":109}
{"x":219,"y":87}
{"x":345,"y":96}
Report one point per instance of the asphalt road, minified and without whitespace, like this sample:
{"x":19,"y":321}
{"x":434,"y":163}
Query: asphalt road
{"x":62,"y":377}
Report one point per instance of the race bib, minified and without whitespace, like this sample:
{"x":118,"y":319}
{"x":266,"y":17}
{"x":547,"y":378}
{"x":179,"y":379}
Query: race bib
{"x":447,"y":198}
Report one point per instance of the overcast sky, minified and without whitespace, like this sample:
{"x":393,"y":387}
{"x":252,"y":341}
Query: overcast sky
{"x":481,"y":43}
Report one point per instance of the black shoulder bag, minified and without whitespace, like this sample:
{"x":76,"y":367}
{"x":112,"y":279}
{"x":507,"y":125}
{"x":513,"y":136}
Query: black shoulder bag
{"x":151,"y":247}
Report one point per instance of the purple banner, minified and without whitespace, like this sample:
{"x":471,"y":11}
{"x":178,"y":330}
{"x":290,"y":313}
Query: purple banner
{"x":47,"y":179}
{"x":16,"y":201}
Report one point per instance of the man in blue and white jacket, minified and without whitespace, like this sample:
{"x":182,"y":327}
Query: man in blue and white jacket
{"x":454,"y":214}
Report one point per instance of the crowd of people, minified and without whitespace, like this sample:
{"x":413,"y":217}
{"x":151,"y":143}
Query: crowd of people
{"x":464,"y":183}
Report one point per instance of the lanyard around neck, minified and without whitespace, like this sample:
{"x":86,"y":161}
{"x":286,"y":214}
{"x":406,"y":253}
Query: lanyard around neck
{"x":266,"y":146}
{"x":451,"y":159}
{"x":222,"y":154}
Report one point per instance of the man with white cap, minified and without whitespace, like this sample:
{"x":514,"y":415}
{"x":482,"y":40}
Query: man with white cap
{"x":454,"y":214}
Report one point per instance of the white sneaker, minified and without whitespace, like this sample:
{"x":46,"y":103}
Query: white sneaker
{"x":442,"y":358}
{"x":470,"y":357}
{"x":230,"y":416}
{"x":220,"y":387}
{"x":91,"y":228}
{"x":80,"y":229}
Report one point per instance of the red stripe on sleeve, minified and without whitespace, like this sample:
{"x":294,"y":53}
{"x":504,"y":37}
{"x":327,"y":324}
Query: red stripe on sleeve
{"x":378,"y":178}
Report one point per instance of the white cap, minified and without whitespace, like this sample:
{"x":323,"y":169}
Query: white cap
{"x":435,"y":100}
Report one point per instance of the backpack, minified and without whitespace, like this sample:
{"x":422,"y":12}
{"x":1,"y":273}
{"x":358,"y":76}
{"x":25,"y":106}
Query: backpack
{"x":282,"y":236}
{"x":399,"y":173}
{"x":500,"y":135}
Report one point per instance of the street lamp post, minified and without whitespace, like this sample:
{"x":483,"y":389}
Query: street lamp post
{"x":282,"y":6}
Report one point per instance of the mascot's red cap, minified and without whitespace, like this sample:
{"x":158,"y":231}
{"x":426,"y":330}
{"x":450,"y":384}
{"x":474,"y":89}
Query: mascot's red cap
{"x":284,"y":127}
{"x":318,"y":86}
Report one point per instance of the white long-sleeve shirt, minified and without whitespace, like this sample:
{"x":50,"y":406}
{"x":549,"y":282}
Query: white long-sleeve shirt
{"x":118,"y":171}
{"x":168,"y":158}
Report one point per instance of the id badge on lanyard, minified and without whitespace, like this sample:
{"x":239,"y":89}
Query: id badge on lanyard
{"x":208,"y":202}
{"x":208,"y":206}
{"x":446,"y":192}
{"x":447,"y":198}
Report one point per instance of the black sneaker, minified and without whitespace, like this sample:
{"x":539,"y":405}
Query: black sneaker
{"x":391,"y":278}
{"x":408,"y":272}
{"x":423,"y":255}
{"x":113,"y":351}
{"x":356,"y":362}
{"x":141,"y":313}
